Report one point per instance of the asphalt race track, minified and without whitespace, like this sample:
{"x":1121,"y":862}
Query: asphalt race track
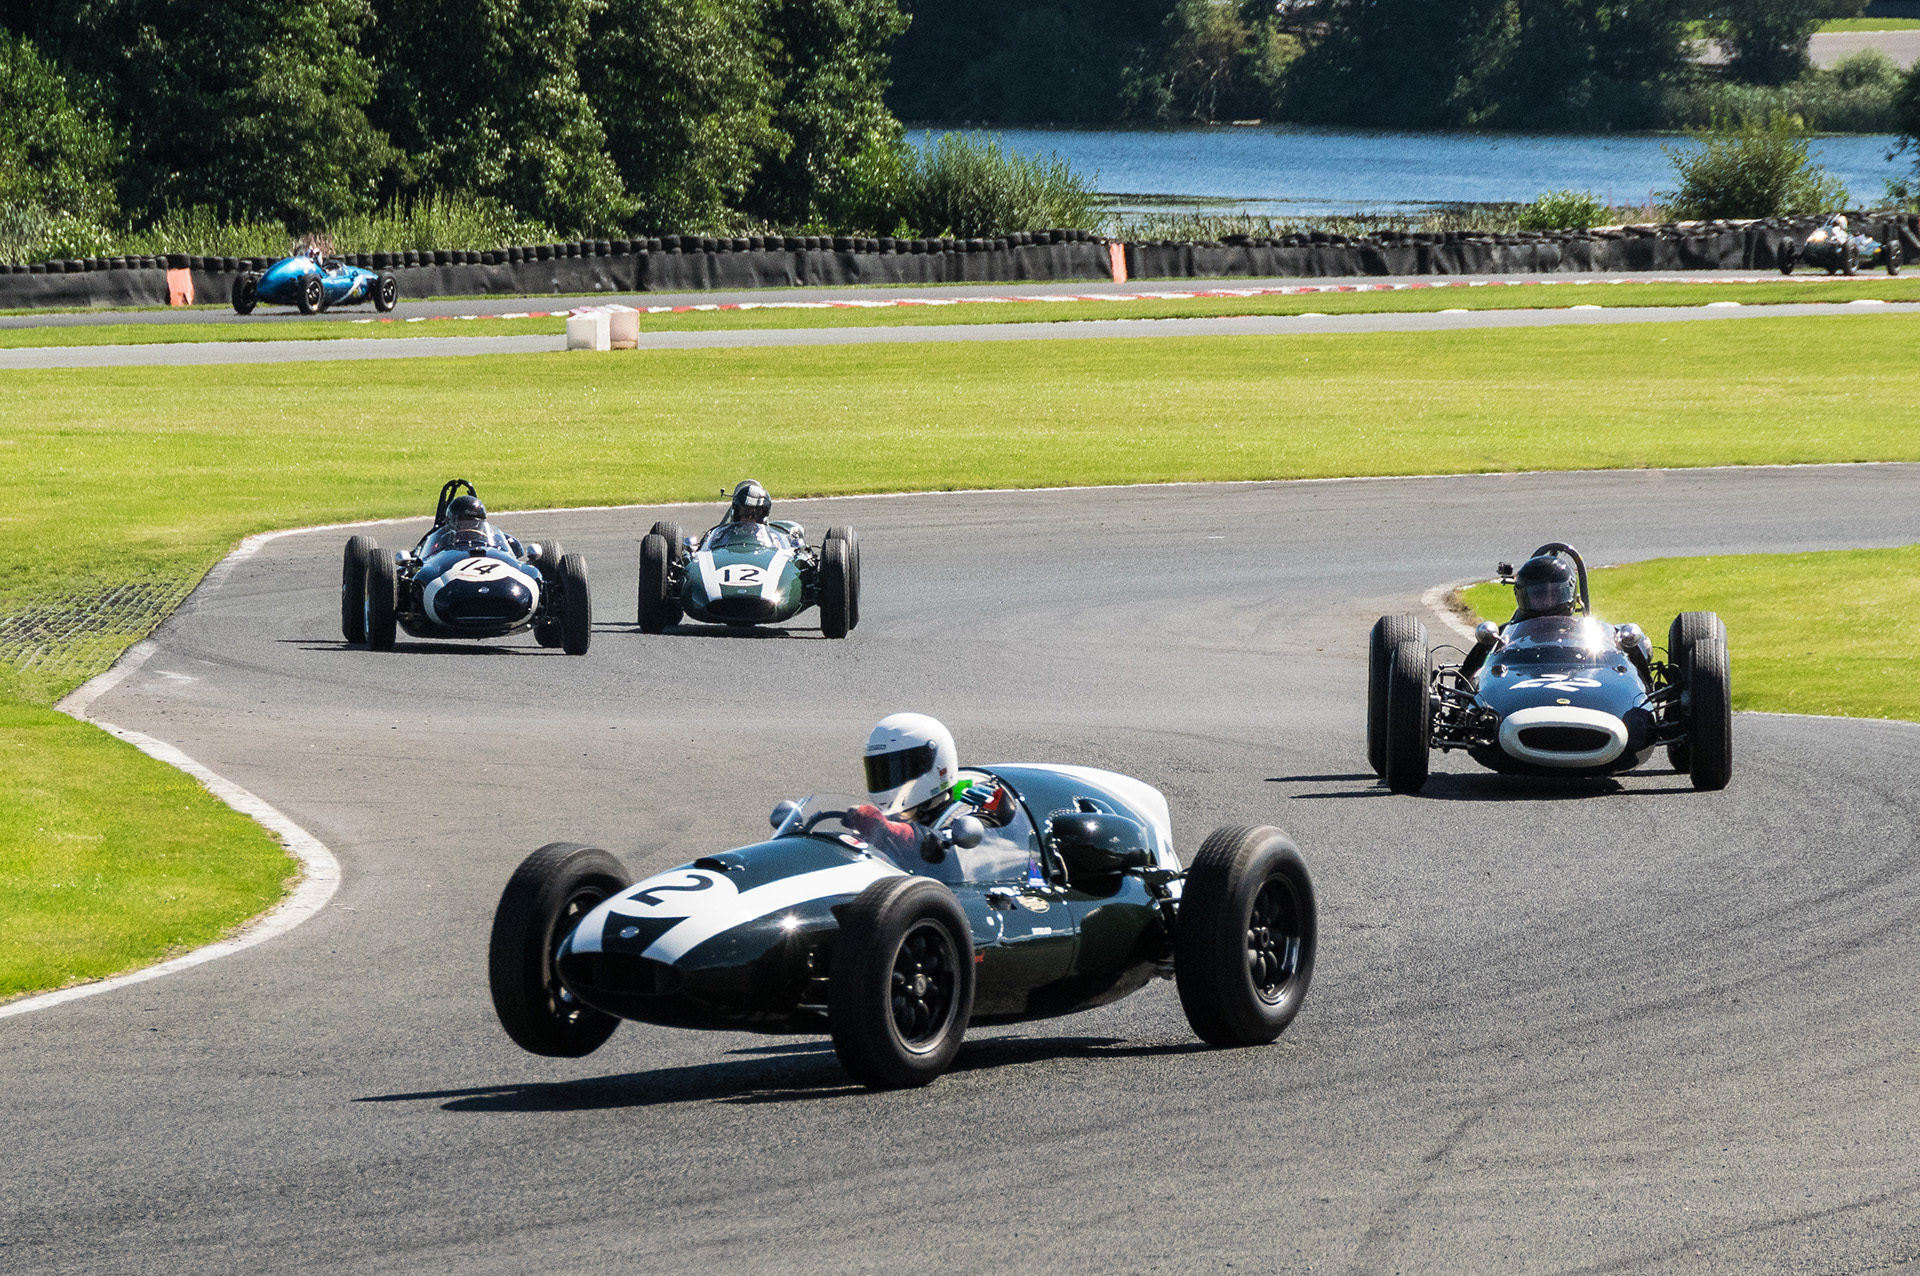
{"x":1578,"y":1028}
{"x":1064,"y":329}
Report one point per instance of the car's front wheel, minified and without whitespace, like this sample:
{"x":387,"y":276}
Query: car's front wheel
{"x":671,"y":612}
{"x":900,"y":990}
{"x":382,"y":602}
{"x":852,"y":538}
{"x":836,"y":582}
{"x":576,"y":619}
{"x":1710,"y":711}
{"x":1895,"y":255}
{"x":246,"y":294}
{"x":1788,"y":251}
{"x":353,"y":587}
{"x":1388,"y":632}
{"x":313,"y":296}
{"x":653,"y":583}
{"x":1409,"y":713}
{"x":1245,"y":937}
{"x":1688,"y":628}
{"x":386,"y":293}
{"x":544,"y":900}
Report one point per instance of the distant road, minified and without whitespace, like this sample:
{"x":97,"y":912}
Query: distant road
{"x":218,"y":352}
{"x":1902,"y":46}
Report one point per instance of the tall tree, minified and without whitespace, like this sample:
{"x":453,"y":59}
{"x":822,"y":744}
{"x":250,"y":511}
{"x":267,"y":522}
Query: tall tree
{"x":1589,"y":63}
{"x":54,"y":155}
{"x":1766,"y":40}
{"x":688,"y":100}
{"x":257,"y":106}
{"x":831,"y":59}
{"x":486,"y":97}
{"x":1404,"y":63}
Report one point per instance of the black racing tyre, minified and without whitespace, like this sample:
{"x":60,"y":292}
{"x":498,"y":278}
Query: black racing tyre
{"x":545,"y":898}
{"x":676,"y":542}
{"x":551,"y":552}
{"x":852,"y":538}
{"x":900,"y":990}
{"x":835,"y":581}
{"x":653,"y":583}
{"x":1894,"y":255}
{"x":386,"y":293}
{"x":1710,"y":713}
{"x":1409,"y":715}
{"x":383,"y":598}
{"x":1688,"y":628}
{"x":1388,"y":631}
{"x":1789,"y":251}
{"x":576,"y":601}
{"x":1244,"y":941}
{"x":246,"y":294}
{"x":547,"y":633}
{"x":353,"y":587}
{"x":1849,"y":260}
{"x":313,"y":296}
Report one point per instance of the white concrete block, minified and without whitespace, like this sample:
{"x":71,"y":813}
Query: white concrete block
{"x":623,"y":326}
{"x":588,"y":330}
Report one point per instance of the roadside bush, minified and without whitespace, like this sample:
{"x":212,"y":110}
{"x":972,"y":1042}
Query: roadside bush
{"x":29,"y":232}
{"x":963,"y":185}
{"x":1759,"y":168}
{"x":53,"y":155}
{"x":1563,"y":210}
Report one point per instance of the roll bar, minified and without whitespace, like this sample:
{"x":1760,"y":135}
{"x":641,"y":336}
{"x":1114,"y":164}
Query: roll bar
{"x":452,"y":488}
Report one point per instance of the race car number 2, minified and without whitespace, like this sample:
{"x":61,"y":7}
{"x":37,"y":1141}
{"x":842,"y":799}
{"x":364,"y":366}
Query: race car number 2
{"x":1554,"y":680}
{"x":676,"y":894}
{"x":745,"y":574}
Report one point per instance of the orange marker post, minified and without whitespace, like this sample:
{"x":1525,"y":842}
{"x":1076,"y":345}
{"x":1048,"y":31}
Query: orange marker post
{"x":1117,"y":255}
{"x":179,"y":287}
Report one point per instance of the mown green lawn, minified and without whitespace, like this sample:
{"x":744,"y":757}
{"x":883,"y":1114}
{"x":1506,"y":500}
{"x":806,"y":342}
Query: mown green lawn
{"x":109,"y":476}
{"x":1870,"y":24}
{"x":1831,"y":633}
{"x":1409,"y":301}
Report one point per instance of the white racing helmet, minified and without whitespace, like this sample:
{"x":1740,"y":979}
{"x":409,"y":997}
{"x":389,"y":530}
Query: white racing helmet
{"x":910,"y":758}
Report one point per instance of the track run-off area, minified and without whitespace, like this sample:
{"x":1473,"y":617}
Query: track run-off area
{"x":1612,"y":1026}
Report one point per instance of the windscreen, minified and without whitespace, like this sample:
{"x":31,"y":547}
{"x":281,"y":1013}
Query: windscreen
{"x":742,"y":536}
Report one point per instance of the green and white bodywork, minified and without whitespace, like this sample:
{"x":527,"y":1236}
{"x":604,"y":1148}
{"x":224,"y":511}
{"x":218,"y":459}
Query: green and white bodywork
{"x":747,"y":573}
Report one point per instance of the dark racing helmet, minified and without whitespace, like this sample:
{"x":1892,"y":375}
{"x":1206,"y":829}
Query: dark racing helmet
{"x":1544,"y":586}
{"x":751,"y":504}
{"x":466,"y":509}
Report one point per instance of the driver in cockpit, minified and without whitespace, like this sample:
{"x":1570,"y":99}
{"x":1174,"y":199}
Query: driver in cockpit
{"x":913,"y":776}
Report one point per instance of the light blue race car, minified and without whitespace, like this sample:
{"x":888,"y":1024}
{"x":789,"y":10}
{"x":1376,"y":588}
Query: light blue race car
{"x":313,"y":283}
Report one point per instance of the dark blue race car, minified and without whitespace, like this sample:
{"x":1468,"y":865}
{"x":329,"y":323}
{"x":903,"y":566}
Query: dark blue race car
{"x":313,"y":283}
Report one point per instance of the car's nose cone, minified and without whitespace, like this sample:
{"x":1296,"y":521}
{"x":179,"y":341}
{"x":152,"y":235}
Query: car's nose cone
{"x":1563,"y":736}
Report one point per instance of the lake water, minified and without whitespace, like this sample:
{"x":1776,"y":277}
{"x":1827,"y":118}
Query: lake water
{"x":1285,"y":171}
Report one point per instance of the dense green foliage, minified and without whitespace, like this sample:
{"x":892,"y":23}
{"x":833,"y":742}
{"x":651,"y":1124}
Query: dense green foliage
{"x":583,"y":115}
{"x":1563,"y":210}
{"x":1766,"y":40}
{"x":1856,"y":96}
{"x":1758,"y":168}
{"x":965,"y":185}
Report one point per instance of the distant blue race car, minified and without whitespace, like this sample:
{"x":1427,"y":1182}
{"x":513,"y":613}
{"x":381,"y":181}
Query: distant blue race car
{"x":313,"y":283}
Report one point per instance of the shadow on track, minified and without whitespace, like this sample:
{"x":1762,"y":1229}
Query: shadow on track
{"x":776,"y":1074}
{"x":733,"y":631}
{"x":1490,"y":787}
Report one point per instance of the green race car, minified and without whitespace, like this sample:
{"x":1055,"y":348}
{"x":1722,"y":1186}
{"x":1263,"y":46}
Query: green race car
{"x":749,"y":570}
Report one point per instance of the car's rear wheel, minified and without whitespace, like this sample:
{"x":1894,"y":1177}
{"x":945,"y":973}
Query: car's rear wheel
{"x":246,"y":293}
{"x":313,"y":295}
{"x":1688,"y":628}
{"x":1788,"y":252}
{"x":353,"y":587}
{"x":544,"y":900}
{"x":852,"y":538}
{"x":1710,"y":713}
{"x":676,"y":542}
{"x":653,"y":583}
{"x":836,"y":574}
{"x":576,"y":617}
{"x":1409,"y":713}
{"x":1245,"y":937}
{"x":386,"y":293}
{"x":900,"y":990}
{"x":382,"y":603}
{"x":1388,"y":631}
{"x":551,"y":552}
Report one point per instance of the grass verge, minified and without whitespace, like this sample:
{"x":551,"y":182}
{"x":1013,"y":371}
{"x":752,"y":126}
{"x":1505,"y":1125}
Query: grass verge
{"x":1829,"y":633}
{"x":147,"y":476}
{"x":783,"y":315}
{"x":110,"y":860}
{"x":1869,"y":24}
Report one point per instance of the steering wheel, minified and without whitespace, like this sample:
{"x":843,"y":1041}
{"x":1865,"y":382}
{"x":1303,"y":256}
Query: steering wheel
{"x":818,"y":816}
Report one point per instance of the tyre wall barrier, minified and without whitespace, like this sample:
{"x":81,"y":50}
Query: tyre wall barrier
{"x":690,"y":264}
